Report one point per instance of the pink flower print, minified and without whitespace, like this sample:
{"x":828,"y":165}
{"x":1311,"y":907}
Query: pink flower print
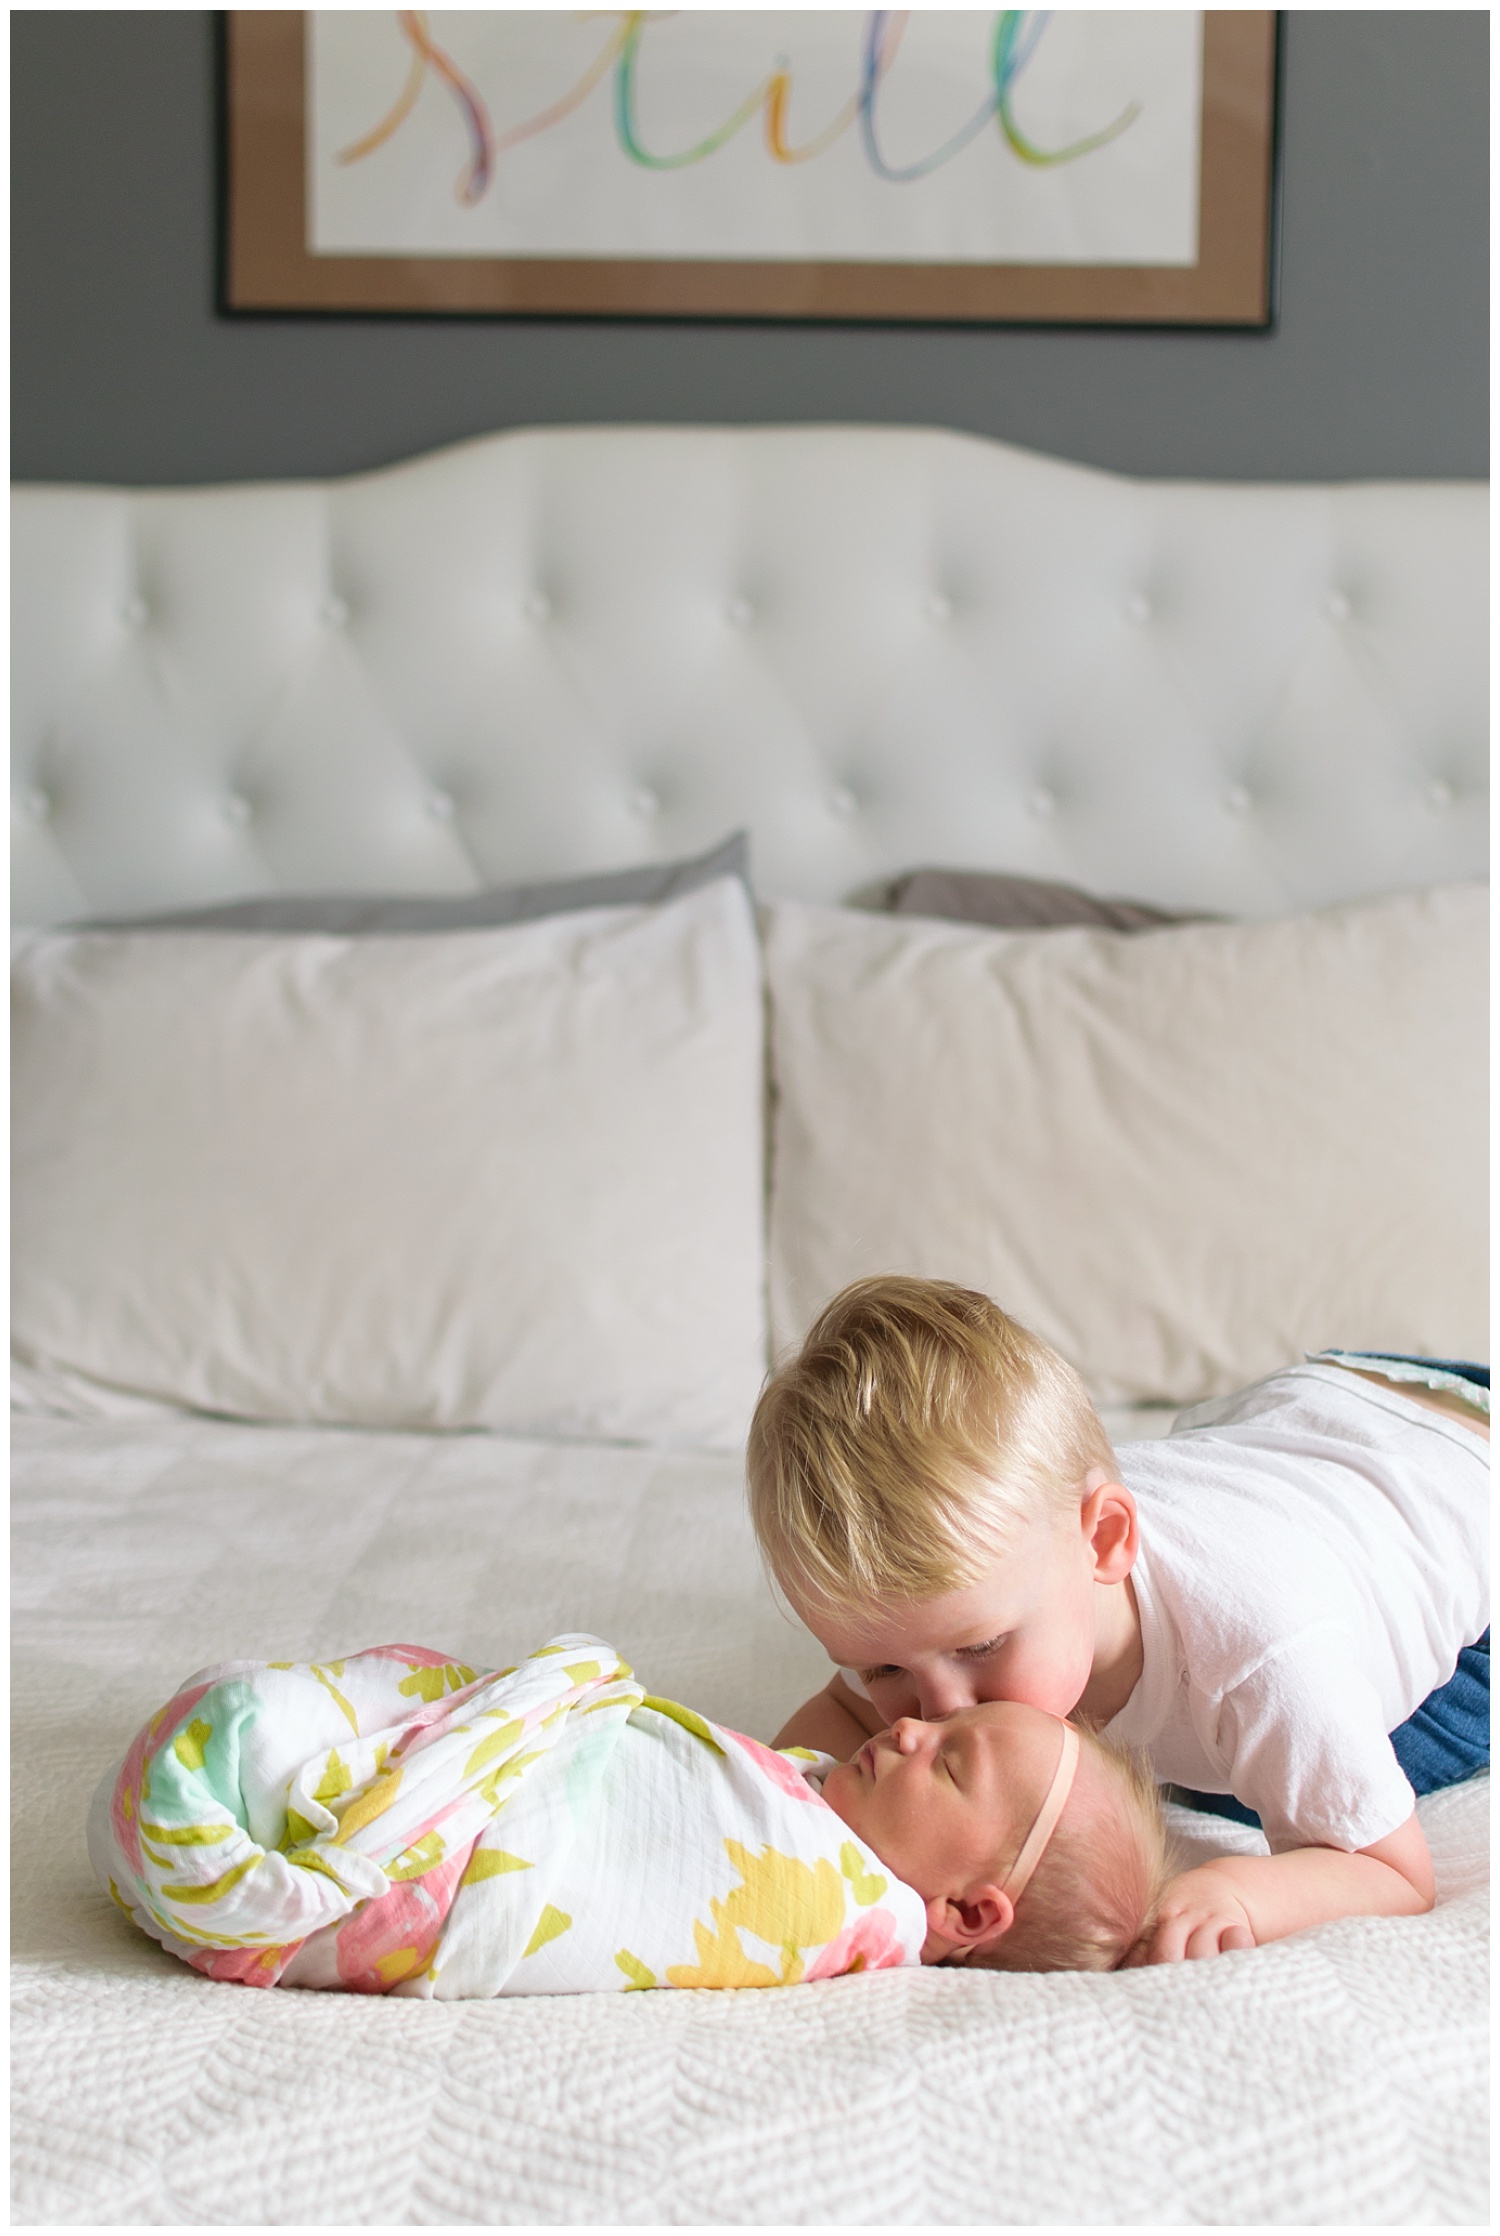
{"x":125,"y":1802}
{"x":390,"y":1938}
{"x":871,"y":1944}
{"x":250,"y":1968}
{"x":781,"y":1772}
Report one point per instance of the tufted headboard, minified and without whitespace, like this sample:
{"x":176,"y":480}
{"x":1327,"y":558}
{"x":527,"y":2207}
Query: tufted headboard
{"x":549,"y":652}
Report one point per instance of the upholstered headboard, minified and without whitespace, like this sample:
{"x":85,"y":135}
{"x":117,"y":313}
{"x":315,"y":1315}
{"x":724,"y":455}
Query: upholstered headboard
{"x":550,"y":652}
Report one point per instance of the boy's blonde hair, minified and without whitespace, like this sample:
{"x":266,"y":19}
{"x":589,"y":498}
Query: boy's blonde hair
{"x":1094,"y":1897}
{"x":919,"y":1426}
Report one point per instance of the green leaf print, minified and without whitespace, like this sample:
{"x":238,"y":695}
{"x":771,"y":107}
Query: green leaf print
{"x":496,"y":1744}
{"x":491,"y":1863}
{"x":688,"y":1718}
{"x":189,"y":1746}
{"x":638,"y":1974}
{"x":549,"y":1925}
{"x":422,"y":1856}
{"x":336,"y":1779}
{"x":865,"y":1886}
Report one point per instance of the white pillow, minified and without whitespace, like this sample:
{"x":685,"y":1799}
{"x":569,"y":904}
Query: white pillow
{"x":506,"y":1179}
{"x":1182,"y":1156}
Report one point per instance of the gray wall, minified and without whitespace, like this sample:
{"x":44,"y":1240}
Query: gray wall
{"x":122,"y":371}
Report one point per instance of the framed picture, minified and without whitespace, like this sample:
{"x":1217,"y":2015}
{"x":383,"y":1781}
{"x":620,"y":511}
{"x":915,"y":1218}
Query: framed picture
{"x":1110,"y":167}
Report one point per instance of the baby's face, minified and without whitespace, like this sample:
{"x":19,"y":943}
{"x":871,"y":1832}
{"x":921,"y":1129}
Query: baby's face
{"x":947,"y":1805}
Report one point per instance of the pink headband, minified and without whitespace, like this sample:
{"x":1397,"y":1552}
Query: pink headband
{"x":1034,"y":1846}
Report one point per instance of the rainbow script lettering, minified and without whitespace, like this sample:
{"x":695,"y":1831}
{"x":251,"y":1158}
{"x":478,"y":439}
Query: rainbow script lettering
{"x":1016,"y":34}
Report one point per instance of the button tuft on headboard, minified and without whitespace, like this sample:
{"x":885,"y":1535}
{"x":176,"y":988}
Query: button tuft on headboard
{"x":545,"y":625}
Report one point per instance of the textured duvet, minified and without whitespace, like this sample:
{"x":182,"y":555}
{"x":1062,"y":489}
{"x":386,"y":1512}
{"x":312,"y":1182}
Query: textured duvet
{"x":1337,"y":2078}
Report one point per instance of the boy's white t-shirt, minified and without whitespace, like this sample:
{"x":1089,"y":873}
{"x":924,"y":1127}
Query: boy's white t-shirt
{"x":1314,"y":1552}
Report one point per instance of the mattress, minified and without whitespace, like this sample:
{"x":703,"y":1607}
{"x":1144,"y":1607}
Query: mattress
{"x":1335,"y":2078}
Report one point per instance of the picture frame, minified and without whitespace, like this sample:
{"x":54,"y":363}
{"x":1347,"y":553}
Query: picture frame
{"x":270,"y":267}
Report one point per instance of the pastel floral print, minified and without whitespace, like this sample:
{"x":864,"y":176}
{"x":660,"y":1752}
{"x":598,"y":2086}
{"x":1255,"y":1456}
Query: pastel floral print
{"x":398,"y":1822}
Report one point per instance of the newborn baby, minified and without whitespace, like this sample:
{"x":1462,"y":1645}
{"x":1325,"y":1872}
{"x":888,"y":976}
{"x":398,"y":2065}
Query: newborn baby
{"x":396,"y":1822}
{"x":1036,"y":1847}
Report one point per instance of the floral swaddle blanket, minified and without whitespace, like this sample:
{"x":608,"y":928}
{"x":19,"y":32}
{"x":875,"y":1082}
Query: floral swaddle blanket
{"x":398,"y":1823}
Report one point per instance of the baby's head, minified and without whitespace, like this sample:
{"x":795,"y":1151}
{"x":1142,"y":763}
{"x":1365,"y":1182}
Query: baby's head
{"x":1036,"y":1847}
{"x":937,"y":1497}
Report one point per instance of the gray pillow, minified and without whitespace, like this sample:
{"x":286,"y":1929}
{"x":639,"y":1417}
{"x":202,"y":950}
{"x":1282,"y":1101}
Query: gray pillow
{"x":1017,"y":904}
{"x":348,"y":914}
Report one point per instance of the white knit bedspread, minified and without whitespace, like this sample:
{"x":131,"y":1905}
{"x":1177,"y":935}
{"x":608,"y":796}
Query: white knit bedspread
{"x":1338,"y":2078}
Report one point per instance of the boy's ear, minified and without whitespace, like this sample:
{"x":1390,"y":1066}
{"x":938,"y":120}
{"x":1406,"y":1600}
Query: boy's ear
{"x":1108,"y":1521}
{"x":971,"y":1920}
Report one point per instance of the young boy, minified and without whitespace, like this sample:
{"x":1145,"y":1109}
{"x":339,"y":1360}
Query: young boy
{"x":394,"y":1822}
{"x":1257,"y":1601}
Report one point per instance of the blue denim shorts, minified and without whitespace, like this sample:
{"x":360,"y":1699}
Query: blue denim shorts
{"x":1448,"y":1738}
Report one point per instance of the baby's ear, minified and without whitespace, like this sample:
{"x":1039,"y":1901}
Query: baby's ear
{"x":971,"y":1920}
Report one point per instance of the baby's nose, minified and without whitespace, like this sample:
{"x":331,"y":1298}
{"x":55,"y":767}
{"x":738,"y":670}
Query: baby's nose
{"x":908,"y":1733}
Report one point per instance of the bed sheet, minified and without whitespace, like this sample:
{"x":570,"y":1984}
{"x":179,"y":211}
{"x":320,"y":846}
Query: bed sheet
{"x":1333,"y":2079}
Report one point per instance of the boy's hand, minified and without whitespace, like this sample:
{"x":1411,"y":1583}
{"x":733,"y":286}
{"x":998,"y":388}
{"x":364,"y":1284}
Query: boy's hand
{"x":1242,"y":1902}
{"x":1201,"y":1915}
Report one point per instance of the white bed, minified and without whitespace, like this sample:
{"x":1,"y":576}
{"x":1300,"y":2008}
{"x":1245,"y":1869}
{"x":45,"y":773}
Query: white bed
{"x":544,"y":655}
{"x":1335,"y":2078}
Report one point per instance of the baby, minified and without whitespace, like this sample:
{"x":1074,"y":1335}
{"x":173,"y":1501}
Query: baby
{"x":1072,"y":1884}
{"x":1258,"y":1602}
{"x":396,"y":1822}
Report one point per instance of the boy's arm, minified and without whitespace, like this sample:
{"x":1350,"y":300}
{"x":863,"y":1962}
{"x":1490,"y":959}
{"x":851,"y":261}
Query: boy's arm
{"x":1239,"y":1902}
{"x":835,"y":1721}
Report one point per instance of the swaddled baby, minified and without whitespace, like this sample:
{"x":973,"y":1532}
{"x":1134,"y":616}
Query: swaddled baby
{"x":398,"y":1822}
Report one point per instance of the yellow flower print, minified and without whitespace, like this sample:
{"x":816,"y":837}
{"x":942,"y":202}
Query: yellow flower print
{"x":399,"y":1964}
{"x":790,"y":1904}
